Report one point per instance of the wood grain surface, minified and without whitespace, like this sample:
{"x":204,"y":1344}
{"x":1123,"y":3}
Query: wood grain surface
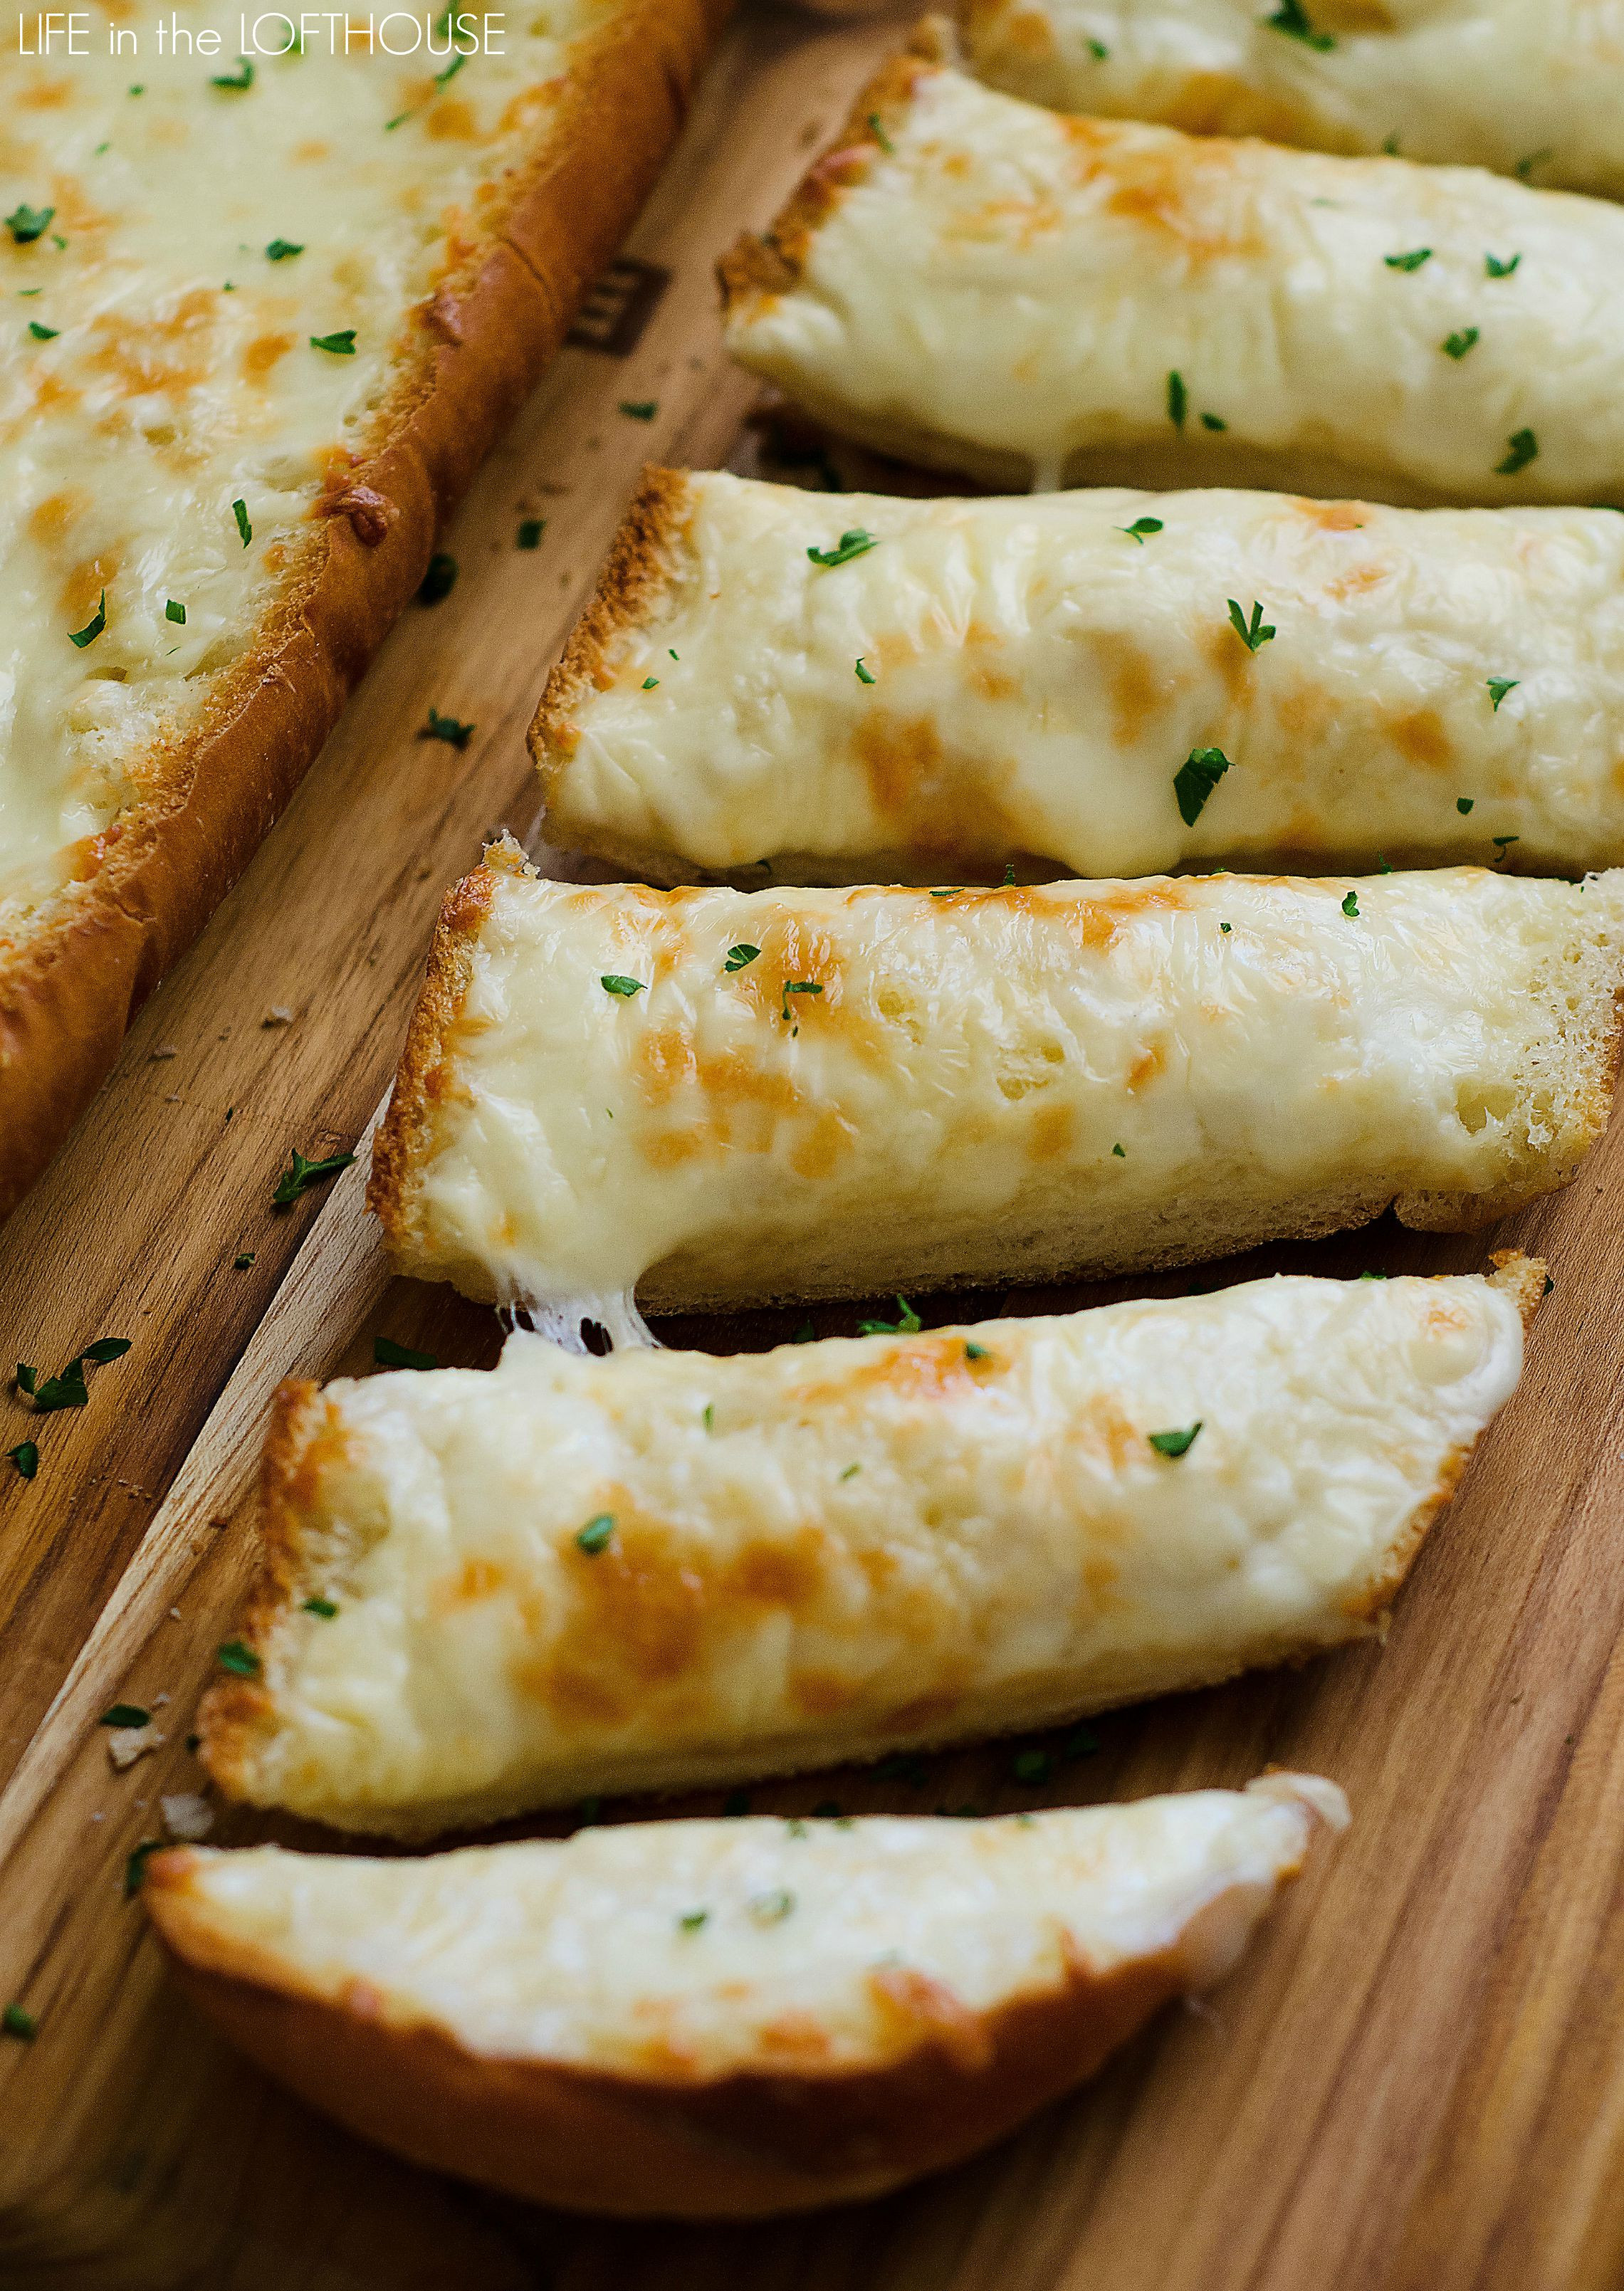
{"x":1417,"y":2077}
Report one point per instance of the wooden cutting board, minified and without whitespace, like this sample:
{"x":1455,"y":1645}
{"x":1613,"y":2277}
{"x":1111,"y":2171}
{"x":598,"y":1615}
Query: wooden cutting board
{"x":1418,"y":2079}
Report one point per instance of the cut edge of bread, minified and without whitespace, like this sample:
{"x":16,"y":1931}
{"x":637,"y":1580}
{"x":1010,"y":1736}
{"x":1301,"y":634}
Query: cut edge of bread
{"x":94,"y":949}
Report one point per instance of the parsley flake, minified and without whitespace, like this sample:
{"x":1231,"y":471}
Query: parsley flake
{"x":1463,"y":804}
{"x":640,"y":409}
{"x":1384,"y":866}
{"x":1495,"y":269}
{"x":283,"y":250}
{"x":1411,"y":261}
{"x":239,"y":1660}
{"x":67,"y":1389}
{"x":447,"y":729}
{"x":855,"y":543}
{"x":388,"y":1353}
{"x":1178,"y":399}
{"x":805,"y":1334}
{"x":1350,"y":905}
{"x":1252,"y":633}
{"x":342,"y":344}
{"x":240,"y":81}
{"x":865,"y":675}
{"x":93,"y":627}
{"x":26,"y":224}
{"x":906,"y":1324}
{"x":1097,"y":50}
{"x":326,"y":1608}
{"x":772,"y":1908}
{"x":977,"y":1352}
{"x":530,"y":532}
{"x":613,"y":985}
{"x":1213,"y":422}
{"x":1456,"y":345}
{"x":851,"y":1471}
{"x":239,"y":511}
{"x":25,"y":1455}
{"x":1498,"y":687}
{"x":1175,"y":1443}
{"x":301,"y":1175}
{"x":1119,"y":1152}
{"x":175,"y":612}
{"x":595,"y":1535}
{"x":1523,"y":448}
{"x":691,"y":1920}
{"x":135,"y":1867}
{"x":740,"y":957}
{"x":707,"y":1416}
{"x":876,"y":128}
{"x":38,"y":334}
{"x":125,"y":1714}
{"x":439,"y":579}
{"x":1195,"y":779}
{"x":1225,"y":929}
{"x":16,"y":2022}
{"x":1140,"y":527}
{"x":1291,"y":18}
{"x":240,"y":1263}
{"x":798,"y":986}
{"x":1501,"y":844}
{"x":1524,"y":168}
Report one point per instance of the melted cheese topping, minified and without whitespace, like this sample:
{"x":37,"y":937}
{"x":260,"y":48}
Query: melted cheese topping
{"x":900,"y":1087}
{"x":180,"y":377}
{"x":1008,"y":291}
{"x":1041,"y":674}
{"x":577,"y":1953}
{"x":832,"y":1550}
{"x":1489,"y":83}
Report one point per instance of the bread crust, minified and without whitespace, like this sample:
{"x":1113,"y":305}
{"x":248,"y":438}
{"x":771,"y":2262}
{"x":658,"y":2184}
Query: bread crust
{"x":144,"y":887}
{"x":746,"y":2145}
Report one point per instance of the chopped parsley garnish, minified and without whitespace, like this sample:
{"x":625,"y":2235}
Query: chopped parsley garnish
{"x":1213,"y":422}
{"x":1524,"y":168}
{"x":876,"y":128}
{"x":175,"y":612}
{"x":650,"y":683}
{"x":39,"y":333}
{"x":447,"y":728}
{"x":1496,"y":268}
{"x":1411,"y":261}
{"x":240,"y":81}
{"x":26,"y":224}
{"x":135,"y":1867}
{"x":93,"y":627}
{"x":1456,"y":346}
{"x":530,"y":532}
{"x":451,"y":70}
{"x":707,"y":1416}
{"x":16,"y":2022}
{"x":1032,"y":1765}
{"x":691,"y":1919}
{"x":640,"y":409}
{"x":1350,"y":905}
{"x":125,"y":1714}
{"x":1140,"y":527}
{"x":906,"y":1324}
{"x":1119,"y":1153}
{"x":1225,"y":929}
{"x":1384,"y":866}
{"x":1178,"y":399}
{"x":1463,"y":804}
{"x":388,"y":1353}
{"x":1097,"y":50}
{"x":326,"y":1608}
{"x":239,"y":511}
{"x":241,"y":1262}
{"x":1523,"y":446}
{"x":342,"y":344}
{"x":865,"y":675}
{"x":68,"y":1390}
{"x":240,"y":1661}
{"x":613,"y":985}
{"x":772,"y":1908}
{"x":283,"y":250}
{"x":25,"y":1455}
{"x":1498,"y":687}
{"x":1176,"y":1444}
{"x":796,"y":987}
{"x":855,"y":543}
{"x":805,"y":1334}
{"x":1253,"y":632}
{"x":439,"y":580}
{"x":301,"y":1175}
{"x":595,"y":1535}
{"x":977,"y":1352}
{"x":851,"y":1471}
{"x":1500,"y":843}
{"x":1291,"y":18}
{"x":741,"y":957}
{"x":1195,"y":779}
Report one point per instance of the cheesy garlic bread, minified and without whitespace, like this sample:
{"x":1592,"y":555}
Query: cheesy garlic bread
{"x":265,"y":318}
{"x":1421,"y":686}
{"x":486,"y":1591}
{"x":727,"y":2018}
{"x":711,"y":1096}
{"x":1532,"y":88}
{"x":982,"y":285}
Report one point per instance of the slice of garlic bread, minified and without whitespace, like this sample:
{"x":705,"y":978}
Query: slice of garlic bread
{"x":265,"y":318}
{"x":716,"y":2018}
{"x":982,"y":285}
{"x":484,"y":1592}
{"x":714,"y":1097}
{"x":1424,"y":686}
{"x":1533,"y":88}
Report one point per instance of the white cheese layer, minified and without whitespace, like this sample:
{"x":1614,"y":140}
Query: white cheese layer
{"x":1533,"y":86}
{"x":833,"y":1550}
{"x":683,"y":1952}
{"x":898,"y":1088}
{"x":178,"y":376}
{"x":1022,"y":294}
{"x":1042,"y":672}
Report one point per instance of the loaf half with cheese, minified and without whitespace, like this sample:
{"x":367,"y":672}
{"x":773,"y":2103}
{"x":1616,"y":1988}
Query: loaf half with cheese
{"x":1421,"y":686}
{"x":1533,"y":88}
{"x":711,"y":1096}
{"x":265,"y":320}
{"x":727,"y":2018}
{"x":981,"y":285}
{"x":489,"y":1591}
